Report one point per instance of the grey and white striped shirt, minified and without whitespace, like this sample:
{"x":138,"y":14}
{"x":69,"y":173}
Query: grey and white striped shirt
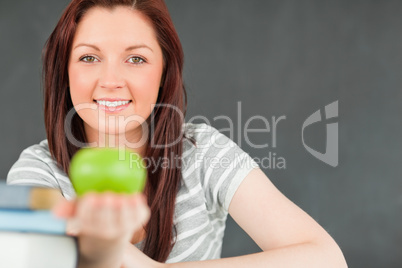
{"x":212,"y":172}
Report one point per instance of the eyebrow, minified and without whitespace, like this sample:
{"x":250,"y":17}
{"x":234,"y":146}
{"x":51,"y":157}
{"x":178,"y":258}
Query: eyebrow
{"x":127,"y":49}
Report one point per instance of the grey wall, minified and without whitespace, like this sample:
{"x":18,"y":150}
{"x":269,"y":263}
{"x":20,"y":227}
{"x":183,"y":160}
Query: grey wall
{"x":278,"y":58}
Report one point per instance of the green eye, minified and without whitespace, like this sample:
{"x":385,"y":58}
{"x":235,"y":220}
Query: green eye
{"x":136,"y":60}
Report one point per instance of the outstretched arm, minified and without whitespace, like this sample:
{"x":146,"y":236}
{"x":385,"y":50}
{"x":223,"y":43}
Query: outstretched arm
{"x":286,"y":234}
{"x":104,"y":224}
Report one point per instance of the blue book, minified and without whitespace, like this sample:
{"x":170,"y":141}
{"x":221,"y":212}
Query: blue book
{"x":28,"y":197}
{"x":30,"y":235}
{"x":32,"y":221}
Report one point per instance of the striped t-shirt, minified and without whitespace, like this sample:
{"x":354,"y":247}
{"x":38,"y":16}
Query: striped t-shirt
{"x":212,"y":171}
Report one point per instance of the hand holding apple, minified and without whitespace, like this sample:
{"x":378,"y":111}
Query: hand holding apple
{"x":107,"y":169}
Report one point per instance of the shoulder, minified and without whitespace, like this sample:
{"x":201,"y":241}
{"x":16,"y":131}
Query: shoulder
{"x":209,"y":142}
{"x":35,"y":166}
{"x":34,"y":155}
{"x":38,"y":151}
{"x":215,"y":161}
{"x":205,"y":135}
{"x":196,"y":131}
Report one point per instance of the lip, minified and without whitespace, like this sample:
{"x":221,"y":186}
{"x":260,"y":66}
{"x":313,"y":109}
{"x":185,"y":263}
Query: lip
{"x":112,"y":110}
{"x":111,"y":99}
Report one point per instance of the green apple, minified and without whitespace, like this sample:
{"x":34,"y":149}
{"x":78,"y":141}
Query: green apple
{"x":106,"y":169}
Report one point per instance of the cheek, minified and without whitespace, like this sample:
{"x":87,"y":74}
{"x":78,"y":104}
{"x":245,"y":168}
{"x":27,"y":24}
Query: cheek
{"x":147,"y":86}
{"x":81,"y":85}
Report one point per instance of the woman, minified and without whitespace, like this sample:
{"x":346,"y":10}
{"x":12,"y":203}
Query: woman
{"x":118,"y":65}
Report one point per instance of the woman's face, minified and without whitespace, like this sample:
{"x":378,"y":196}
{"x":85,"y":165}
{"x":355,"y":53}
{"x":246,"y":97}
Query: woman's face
{"x":115,"y":69}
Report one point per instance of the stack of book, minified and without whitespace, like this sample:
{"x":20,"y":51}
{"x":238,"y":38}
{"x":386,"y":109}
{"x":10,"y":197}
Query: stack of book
{"x":30,"y":236}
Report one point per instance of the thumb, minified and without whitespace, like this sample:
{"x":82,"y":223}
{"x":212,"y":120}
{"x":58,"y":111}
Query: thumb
{"x":64,"y":209}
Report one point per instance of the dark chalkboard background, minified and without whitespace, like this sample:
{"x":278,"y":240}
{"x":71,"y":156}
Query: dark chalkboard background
{"x":272,"y":58}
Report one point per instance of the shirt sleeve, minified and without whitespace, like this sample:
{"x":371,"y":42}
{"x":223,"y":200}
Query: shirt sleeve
{"x":32,"y":168}
{"x":224,"y":166}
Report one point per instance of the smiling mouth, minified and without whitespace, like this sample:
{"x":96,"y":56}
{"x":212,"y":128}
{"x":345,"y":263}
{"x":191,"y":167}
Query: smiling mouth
{"x":112,"y":104}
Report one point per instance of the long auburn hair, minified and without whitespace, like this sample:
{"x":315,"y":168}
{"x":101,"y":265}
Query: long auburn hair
{"x":162,"y":184}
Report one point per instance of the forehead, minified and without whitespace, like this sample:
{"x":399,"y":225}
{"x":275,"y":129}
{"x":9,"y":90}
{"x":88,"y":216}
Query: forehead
{"x":122,"y":24}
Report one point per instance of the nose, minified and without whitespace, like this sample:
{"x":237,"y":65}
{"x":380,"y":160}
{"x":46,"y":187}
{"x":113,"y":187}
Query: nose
{"x":111,"y":77}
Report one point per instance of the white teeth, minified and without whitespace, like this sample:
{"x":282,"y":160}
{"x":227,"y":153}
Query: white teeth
{"x":112,"y":103}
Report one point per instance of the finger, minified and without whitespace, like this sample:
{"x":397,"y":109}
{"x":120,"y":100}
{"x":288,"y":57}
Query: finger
{"x":86,"y":208}
{"x":102,"y":218}
{"x":105,"y":216}
{"x":124,"y":219}
{"x":73,"y":227}
{"x":144,"y":211}
{"x":140,"y":210}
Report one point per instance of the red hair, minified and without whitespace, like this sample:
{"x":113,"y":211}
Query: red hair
{"x":162,"y":185}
